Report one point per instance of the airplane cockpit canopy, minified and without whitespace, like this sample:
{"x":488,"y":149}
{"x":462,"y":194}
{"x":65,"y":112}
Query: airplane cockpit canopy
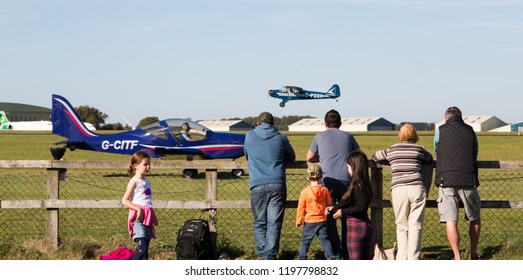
{"x":174,"y":127}
{"x":294,"y":88}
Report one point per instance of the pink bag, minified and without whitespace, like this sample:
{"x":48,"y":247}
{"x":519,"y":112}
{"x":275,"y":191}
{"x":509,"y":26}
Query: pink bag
{"x":123,"y":253}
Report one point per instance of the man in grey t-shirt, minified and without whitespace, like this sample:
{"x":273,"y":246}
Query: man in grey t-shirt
{"x":331,"y":148}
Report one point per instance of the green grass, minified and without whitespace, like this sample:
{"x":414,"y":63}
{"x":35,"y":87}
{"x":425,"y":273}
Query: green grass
{"x":492,"y":146}
{"x":100,"y":230}
{"x":18,"y":145}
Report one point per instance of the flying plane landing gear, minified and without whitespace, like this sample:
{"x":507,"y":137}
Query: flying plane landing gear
{"x":282,"y":104}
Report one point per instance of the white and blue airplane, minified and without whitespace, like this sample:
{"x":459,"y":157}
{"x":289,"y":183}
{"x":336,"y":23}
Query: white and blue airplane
{"x":288,"y":93}
{"x":162,"y":139}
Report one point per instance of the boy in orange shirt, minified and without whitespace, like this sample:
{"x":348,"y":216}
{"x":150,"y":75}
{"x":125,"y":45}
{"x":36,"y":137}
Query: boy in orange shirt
{"x":311,"y":214}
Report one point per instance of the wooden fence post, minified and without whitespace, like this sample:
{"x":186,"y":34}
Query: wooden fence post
{"x":376,"y":212}
{"x":211,"y":193}
{"x":52,"y":214}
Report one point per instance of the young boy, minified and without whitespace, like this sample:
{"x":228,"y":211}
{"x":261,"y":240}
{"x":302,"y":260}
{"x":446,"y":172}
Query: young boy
{"x":311,"y":209}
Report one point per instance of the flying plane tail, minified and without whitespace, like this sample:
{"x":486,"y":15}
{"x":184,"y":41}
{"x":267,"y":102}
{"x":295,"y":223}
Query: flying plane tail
{"x":4,"y":122}
{"x":334,"y":91}
{"x":66,"y":121}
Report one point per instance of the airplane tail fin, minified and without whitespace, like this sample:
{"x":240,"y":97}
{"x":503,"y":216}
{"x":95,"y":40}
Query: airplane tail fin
{"x":334,"y":91}
{"x":66,"y":121}
{"x":4,"y":122}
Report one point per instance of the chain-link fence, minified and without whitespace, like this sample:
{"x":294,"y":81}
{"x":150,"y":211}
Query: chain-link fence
{"x":24,"y":192}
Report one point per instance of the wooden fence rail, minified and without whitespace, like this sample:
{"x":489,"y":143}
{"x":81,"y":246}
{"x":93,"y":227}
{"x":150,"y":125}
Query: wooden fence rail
{"x":56,"y":169}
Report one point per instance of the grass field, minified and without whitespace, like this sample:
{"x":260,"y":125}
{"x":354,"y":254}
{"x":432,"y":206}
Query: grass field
{"x":19,"y":145}
{"x":35,"y":146}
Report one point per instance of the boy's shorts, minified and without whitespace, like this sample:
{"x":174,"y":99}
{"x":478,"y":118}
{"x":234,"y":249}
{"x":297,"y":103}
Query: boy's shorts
{"x":448,"y":203}
{"x":142,"y":231}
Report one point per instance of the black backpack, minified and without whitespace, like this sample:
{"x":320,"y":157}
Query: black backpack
{"x":193,"y":241}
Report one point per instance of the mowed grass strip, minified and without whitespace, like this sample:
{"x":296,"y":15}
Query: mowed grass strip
{"x":102,"y":226}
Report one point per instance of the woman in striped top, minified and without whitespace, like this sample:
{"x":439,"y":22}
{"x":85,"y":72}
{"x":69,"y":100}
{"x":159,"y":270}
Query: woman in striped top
{"x":409,"y":191}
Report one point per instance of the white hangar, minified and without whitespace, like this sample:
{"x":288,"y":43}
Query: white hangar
{"x":480,"y":123}
{"x":347,"y":124}
{"x":514,"y":127}
{"x":227,"y":125}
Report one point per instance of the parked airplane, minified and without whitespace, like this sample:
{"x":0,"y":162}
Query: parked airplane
{"x":160,"y":139}
{"x":4,"y":122}
{"x":29,"y":125}
{"x":288,"y":93}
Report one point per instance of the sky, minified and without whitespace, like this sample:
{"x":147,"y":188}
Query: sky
{"x":402,"y":60}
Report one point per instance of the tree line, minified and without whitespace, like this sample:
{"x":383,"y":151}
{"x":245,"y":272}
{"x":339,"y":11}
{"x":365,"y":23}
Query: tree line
{"x":98,"y":118}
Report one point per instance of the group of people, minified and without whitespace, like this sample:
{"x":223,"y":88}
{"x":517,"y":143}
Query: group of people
{"x":339,"y":188}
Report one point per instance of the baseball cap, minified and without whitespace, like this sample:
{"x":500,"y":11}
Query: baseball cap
{"x":314,"y":172}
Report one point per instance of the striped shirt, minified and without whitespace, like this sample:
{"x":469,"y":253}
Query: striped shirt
{"x":405,"y":160}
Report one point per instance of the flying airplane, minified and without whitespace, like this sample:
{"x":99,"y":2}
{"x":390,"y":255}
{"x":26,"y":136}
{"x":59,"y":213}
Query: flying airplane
{"x":5,"y":124}
{"x":288,"y":93}
{"x":161,"y":139}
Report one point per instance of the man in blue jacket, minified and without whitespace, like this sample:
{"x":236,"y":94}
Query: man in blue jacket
{"x":267,"y":151}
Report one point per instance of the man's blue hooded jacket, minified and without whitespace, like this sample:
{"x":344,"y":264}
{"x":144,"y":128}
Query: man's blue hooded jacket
{"x":267,"y":151}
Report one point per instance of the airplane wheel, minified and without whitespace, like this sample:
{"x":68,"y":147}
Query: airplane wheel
{"x":282,"y":104}
{"x":190,"y":173}
{"x":57,"y":152}
{"x":237,"y":172}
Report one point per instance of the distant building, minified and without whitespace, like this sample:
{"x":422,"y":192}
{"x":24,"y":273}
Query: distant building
{"x":17,"y":112}
{"x":480,"y":123}
{"x":514,"y":127}
{"x":347,"y":124}
{"x":230,"y":125}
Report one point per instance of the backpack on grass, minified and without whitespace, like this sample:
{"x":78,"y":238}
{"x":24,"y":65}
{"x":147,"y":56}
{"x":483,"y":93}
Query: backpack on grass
{"x":194,"y":241}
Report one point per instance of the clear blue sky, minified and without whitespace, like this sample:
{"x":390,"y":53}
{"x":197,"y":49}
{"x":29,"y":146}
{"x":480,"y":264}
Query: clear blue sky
{"x":402,"y":60}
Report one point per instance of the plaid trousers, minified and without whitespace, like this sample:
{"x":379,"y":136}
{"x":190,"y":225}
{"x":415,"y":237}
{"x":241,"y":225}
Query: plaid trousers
{"x":359,"y":235}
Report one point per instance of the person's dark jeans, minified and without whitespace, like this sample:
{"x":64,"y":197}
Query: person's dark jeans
{"x":142,"y":253}
{"x":309,"y":231}
{"x":336,"y":189}
{"x":268,"y":208}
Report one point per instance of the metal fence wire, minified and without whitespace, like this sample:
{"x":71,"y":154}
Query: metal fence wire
{"x":102,"y":226}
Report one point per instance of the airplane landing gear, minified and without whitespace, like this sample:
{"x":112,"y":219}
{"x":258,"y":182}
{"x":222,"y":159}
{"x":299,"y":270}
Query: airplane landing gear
{"x":57,"y":152}
{"x":237,"y":172}
{"x":190,"y":173}
{"x":282,"y":104}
